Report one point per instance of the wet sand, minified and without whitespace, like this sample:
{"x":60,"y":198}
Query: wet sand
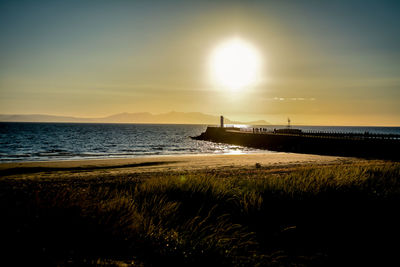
{"x":89,"y":168}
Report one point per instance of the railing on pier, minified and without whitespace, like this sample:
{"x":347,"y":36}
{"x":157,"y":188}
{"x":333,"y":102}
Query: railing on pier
{"x":322,"y":134}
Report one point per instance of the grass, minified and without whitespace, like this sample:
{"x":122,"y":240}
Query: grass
{"x":309,"y":216}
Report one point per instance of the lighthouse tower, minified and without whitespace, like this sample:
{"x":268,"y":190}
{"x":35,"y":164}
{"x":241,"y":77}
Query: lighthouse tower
{"x":222,"y":121}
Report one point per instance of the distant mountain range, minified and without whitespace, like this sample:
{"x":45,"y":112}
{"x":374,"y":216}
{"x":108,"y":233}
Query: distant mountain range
{"x":144,"y":117}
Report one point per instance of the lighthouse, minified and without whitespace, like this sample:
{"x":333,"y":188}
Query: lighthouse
{"x":222,"y":121}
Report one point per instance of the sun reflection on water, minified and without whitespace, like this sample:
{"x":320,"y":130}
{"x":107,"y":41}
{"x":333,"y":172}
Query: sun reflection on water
{"x":235,"y":152}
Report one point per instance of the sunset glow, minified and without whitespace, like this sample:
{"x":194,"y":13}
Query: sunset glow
{"x":235,"y":64}
{"x":264,"y":60}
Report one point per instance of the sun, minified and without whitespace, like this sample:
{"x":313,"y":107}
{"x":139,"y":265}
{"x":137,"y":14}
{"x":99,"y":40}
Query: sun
{"x":235,"y":64}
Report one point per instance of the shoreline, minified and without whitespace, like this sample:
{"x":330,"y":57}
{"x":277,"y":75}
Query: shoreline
{"x":122,"y":166}
{"x":235,"y":152}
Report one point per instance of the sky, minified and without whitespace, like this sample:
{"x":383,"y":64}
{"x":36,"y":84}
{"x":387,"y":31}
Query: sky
{"x":323,"y":62}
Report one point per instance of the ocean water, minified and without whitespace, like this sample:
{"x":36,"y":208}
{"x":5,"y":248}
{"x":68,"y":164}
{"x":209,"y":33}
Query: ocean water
{"x":72,"y":141}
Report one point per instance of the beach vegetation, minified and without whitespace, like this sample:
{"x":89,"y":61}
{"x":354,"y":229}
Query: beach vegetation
{"x":306,"y":216}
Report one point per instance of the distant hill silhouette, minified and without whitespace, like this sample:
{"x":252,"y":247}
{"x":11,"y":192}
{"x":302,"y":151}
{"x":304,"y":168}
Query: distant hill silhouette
{"x":143,"y":117}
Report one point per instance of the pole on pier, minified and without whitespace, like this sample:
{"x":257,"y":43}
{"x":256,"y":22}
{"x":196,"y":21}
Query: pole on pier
{"x":222,"y":121}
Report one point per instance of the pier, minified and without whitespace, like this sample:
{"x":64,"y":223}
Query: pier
{"x":366,"y":145}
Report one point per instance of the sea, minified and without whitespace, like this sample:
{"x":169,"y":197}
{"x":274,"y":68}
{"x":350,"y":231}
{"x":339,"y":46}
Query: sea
{"x":74,"y":141}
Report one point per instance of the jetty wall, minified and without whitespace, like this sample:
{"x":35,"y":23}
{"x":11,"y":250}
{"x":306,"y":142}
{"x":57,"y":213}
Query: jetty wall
{"x":325,"y":145}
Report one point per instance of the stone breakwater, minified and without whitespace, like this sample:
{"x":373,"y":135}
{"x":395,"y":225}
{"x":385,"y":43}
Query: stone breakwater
{"x":377,"y":146}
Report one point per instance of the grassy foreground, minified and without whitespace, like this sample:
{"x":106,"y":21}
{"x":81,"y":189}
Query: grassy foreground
{"x":309,"y":216}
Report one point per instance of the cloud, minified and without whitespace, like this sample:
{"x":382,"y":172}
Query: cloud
{"x":292,"y":99}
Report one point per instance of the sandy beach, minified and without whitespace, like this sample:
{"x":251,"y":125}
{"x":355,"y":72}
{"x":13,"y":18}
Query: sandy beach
{"x":86,"y":168}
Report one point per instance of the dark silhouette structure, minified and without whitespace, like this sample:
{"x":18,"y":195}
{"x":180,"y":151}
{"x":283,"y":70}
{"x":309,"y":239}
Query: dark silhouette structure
{"x":367,"y":145}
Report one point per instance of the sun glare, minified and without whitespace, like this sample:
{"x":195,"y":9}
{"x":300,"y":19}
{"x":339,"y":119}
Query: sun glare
{"x":235,"y":64}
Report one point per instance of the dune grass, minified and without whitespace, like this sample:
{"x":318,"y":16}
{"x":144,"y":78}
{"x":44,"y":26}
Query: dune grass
{"x":309,"y":216}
